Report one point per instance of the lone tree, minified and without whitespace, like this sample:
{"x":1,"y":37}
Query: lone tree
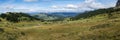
{"x":118,"y":3}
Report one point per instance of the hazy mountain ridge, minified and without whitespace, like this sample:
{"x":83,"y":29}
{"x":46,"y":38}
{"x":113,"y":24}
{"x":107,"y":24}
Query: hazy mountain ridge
{"x":102,"y":24}
{"x":54,"y":15}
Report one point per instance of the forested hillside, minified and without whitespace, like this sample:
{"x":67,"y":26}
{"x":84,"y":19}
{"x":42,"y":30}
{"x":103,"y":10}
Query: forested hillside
{"x":17,"y":17}
{"x":96,"y":12}
{"x":59,"y":20}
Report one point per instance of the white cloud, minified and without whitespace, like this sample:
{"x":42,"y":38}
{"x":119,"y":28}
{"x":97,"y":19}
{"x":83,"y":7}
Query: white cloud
{"x":84,"y":6}
{"x":97,"y":5}
{"x":93,"y":4}
{"x":54,"y":6}
{"x":68,"y":6}
{"x":89,"y":1}
{"x":71,"y":6}
{"x":30,"y":0}
{"x":36,"y":0}
{"x":87,"y":5}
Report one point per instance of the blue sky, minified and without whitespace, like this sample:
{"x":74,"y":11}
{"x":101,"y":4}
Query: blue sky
{"x":53,"y":5}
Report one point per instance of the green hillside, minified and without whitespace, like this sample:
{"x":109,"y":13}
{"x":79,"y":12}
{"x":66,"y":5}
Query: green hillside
{"x":102,"y":24}
{"x":97,"y":27}
{"x":96,"y":12}
{"x":17,"y":17}
{"x":48,"y":17}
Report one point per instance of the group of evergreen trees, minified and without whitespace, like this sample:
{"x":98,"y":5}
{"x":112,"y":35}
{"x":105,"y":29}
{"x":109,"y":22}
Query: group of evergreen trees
{"x":17,"y":17}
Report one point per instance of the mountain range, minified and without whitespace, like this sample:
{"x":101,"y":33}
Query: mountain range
{"x":53,"y":15}
{"x":64,"y":14}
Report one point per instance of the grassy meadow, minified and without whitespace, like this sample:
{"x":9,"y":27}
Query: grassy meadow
{"x":97,"y":27}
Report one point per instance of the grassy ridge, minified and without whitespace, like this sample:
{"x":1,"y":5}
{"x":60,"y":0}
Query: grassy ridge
{"x":88,"y":14}
{"x":98,"y":27}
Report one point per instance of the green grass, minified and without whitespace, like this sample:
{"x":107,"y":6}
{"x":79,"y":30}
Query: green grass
{"x":11,"y":33}
{"x":98,"y":27}
{"x":76,"y":32}
{"x":94,"y":28}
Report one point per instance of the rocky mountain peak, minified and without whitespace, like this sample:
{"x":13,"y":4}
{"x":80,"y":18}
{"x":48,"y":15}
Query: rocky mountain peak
{"x":118,"y":3}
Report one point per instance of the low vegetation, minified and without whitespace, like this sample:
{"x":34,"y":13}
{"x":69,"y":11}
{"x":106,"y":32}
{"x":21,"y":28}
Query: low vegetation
{"x":93,"y":25}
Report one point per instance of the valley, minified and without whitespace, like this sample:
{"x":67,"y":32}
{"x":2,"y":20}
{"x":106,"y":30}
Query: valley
{"x":97,"y":27}
{"x":59,"y":20}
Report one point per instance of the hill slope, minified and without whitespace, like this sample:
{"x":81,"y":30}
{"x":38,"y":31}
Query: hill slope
{"x":102,"y":26}
{"x":96,"y":12}
{"x":16,"y":17}
{"x":58,"y":16}
{"x":49,"y":17}
{"x":97,"y":27}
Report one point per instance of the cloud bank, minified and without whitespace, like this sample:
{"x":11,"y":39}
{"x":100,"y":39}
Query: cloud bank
{"x":30,"y":0}
{"x":86,"y":5}
{"x":92,"y":4}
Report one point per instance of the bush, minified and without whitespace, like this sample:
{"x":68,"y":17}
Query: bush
{"x":10,"y":33}
{"x":1,"y":30}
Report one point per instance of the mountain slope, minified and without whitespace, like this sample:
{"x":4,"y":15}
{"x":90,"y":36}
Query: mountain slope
{"x":49,"y":17}
{"x":96,"y":12}
{"x":64,"y":14}
{"x":97,"y":27}
{"x":102,"y":26}
{"x":16,"y":17}
{"x":55,"y":15}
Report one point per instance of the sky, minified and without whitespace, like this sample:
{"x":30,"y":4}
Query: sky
{"x":54,"y":5}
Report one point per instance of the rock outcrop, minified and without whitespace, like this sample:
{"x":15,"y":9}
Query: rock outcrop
{"x":118,"y":3}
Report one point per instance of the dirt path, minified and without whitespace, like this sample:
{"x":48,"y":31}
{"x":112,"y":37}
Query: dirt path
{"x":32,"y":27}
